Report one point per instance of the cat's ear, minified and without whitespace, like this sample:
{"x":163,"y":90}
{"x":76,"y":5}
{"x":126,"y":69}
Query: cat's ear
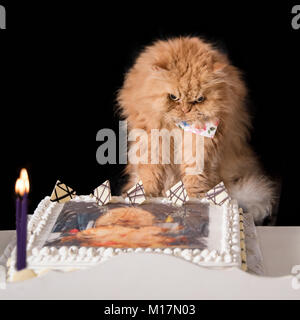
{"x":160,"y":65}
{"x":158,"y":68}
{"x":159,"y":71}
{"x":219,"y":66}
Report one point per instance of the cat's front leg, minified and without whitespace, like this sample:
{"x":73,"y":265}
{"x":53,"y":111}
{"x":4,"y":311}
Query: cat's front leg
{"x":151,"y":175}
{"x":196,"y":185}
{"x":153,"y":179}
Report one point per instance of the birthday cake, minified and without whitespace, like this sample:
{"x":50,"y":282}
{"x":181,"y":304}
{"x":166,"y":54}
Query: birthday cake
{"x":68,"y":231}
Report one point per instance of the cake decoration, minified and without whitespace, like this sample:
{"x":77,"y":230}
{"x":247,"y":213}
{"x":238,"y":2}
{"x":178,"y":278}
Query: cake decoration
{"x":177,"y":194}
{"x":243,"y":243}
{"x":208,"y":130}
{"x":103,"y":193}
{"x":62,"y":193}
{"x":218,"y":195}
{"x":169,"y":219}
{"x":136,"y":195}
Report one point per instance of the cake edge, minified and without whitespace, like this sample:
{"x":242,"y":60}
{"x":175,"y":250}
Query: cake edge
{"x":74,"y":258}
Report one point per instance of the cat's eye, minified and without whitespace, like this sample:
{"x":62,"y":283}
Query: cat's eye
{"x":173,"y":97}
{"x":199,"y":100}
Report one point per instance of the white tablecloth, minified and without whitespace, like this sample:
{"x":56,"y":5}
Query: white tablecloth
{"x":148,"y":276}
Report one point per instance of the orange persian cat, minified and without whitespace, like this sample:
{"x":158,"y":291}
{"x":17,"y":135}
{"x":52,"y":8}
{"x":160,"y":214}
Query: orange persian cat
{"x":187,"y":79}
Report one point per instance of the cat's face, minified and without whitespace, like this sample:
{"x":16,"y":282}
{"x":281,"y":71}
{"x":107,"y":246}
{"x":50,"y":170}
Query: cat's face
{"x":194,"y":98}
{"x":183,"y":79}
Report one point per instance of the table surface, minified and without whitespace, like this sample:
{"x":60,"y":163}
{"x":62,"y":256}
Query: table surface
{"x":147,"y":276}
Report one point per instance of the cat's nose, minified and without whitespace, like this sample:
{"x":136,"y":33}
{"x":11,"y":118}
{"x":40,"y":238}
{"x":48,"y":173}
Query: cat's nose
{"x":185,"y":109}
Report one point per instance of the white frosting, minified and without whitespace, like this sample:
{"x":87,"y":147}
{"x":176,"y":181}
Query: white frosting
{"x":168,"y":251}
{"x":204,"y":253}
{"x":187,"y":254}
{"x":196,"y":252}
{"x":227,"y":253}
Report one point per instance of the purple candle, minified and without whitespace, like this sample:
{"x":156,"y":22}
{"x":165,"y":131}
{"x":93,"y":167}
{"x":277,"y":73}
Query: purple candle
{"x":22,"y":189}
{"x":18,"y":221}
{"x":23,"y":231}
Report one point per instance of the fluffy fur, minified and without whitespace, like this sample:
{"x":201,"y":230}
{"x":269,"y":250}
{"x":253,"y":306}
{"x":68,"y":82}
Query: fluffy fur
{"x":189,"y":68}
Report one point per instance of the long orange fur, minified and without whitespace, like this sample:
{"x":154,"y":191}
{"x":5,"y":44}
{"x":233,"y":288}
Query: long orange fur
{"x":188,"y":67}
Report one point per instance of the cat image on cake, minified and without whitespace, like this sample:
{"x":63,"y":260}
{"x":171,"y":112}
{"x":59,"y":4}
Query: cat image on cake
{"x":188,"y":80}
{"x":126,"y":227}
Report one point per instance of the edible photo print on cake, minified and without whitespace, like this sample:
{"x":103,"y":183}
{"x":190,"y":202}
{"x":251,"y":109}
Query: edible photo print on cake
{"x":121,"y":225}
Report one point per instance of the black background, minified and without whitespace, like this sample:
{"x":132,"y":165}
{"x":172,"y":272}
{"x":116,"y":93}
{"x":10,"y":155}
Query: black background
{"x":61,"y":65}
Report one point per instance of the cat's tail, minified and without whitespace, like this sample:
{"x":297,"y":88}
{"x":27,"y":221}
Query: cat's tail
{"x":255,"y":194}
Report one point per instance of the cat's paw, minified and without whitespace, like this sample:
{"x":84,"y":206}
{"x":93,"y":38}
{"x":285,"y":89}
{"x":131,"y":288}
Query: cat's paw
{"x":195,"y":194}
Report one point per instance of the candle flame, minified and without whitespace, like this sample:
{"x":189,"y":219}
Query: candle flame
{"x":20,"y":187}
{"x":24,"y":174}
{"x":24,"y":177}
{"x":27,"y":186}
{"x":22,"y":184}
